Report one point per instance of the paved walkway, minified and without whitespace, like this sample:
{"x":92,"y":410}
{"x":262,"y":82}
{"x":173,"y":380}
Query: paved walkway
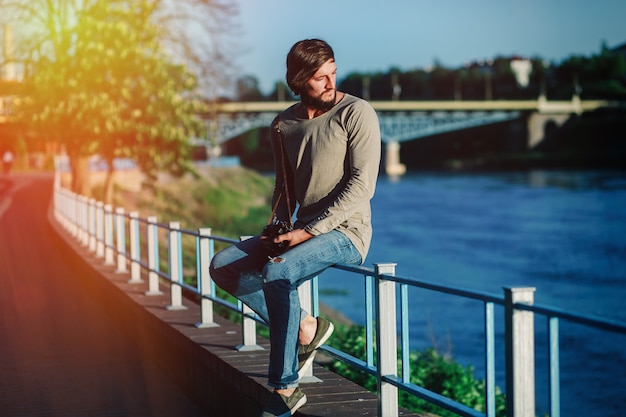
{"x":60,"y":354}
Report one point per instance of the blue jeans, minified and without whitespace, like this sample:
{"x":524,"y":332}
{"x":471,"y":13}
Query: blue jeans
{"x":269,"y":286}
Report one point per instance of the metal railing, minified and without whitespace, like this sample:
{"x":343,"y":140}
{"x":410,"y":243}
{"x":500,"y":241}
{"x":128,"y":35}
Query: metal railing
{"x":95,"y":225}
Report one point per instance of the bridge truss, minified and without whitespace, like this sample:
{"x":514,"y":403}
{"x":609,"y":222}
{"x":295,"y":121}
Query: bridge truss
{"x":405,"y":127}
{"x":394,"y":127}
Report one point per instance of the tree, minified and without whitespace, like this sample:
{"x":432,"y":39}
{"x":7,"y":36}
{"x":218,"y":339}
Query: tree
{"x":604,"y":75}
{"x":98,"y":80}
{"x":281,"y":92}
{"x":247,"y":89}
{"x":353,"y":84}
{"x":199,"y":32}
{"x":442,"y":83}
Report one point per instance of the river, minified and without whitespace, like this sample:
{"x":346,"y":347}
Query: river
{"x":562,"y":232}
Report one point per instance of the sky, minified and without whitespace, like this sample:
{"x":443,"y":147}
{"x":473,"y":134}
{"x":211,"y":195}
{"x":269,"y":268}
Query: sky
{"x":376,"y":35}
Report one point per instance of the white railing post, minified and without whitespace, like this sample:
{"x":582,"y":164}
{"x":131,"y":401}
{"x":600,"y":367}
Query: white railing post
{"x":60,"y":206}
{"x":76,"y":216}
{"x":248,"y":325}
{"x":120,"y":228}
{"x":73,"y":214}
{"x":81,"y":220}
{"x":56,"y":201}
{"x":306,"y":303}
{"x":135,"y":249}
{"x":91,"y":204}
{"x":84,"y":220}
{"x":386,"y":340}
{"x":108,"y":234}
{"x":205,"y":254}
{"x":70,"y":212}
{"x":153,"y":257}
{"x":175,"y":268}
{"x":100,"y":229}
{"x":520,"y":353}
{"x":248,"y":328}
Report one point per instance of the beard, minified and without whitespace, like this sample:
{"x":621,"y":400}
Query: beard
{"x":318,"y":103}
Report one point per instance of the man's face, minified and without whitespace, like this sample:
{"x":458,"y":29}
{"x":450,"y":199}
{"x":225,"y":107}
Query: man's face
{"x":321,"y":89}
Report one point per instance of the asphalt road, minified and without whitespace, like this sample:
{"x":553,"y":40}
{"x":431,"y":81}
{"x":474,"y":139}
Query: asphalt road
{"x":60,"y":354}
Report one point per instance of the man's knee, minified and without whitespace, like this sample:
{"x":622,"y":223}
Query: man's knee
{"x":277,"y":269}
{"x":217,"y":271}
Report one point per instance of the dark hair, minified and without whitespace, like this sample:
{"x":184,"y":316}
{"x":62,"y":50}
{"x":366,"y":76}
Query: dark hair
{"x":304,"y":58}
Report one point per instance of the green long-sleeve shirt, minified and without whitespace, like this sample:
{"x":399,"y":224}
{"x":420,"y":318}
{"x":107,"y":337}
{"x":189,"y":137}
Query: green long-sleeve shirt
{"x":332,"y":164}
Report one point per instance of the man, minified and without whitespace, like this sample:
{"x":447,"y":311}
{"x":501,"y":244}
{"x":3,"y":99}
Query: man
{"x":327,"y":154}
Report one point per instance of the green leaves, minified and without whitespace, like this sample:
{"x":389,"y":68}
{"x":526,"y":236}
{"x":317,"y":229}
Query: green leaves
{"x":428,"y":369}
{"x":105,"y":85}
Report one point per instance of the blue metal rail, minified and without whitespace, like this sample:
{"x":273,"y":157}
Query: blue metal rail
{"x":95,"y":225}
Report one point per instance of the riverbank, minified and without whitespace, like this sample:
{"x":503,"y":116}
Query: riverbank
{"x":592,"y":140}
{"x":233,"y":201}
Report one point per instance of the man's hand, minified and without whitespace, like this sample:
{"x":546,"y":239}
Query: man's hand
{"x":294,"y":237}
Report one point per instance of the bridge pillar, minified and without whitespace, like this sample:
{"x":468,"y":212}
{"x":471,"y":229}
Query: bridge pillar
{"x":393,"y":167}
{"x":541,"y":126}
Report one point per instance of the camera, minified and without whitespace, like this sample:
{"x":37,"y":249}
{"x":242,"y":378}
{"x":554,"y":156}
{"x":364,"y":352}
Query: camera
{"x":276,"y":228}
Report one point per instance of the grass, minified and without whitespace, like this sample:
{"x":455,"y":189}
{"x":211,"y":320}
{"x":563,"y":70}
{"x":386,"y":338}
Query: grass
{"x":233,"y":202}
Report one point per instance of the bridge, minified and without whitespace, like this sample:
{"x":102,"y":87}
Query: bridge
{"x":80,"y":252}
{"x":402,"y":121}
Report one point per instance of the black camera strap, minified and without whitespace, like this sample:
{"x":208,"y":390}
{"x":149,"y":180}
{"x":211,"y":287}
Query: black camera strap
{"x":279,"y":135}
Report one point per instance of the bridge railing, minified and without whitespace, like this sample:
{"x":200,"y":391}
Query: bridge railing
{"x":103,"y":230}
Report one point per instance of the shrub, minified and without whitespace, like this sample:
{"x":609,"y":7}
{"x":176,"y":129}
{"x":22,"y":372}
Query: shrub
{"x":428,"y":369}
